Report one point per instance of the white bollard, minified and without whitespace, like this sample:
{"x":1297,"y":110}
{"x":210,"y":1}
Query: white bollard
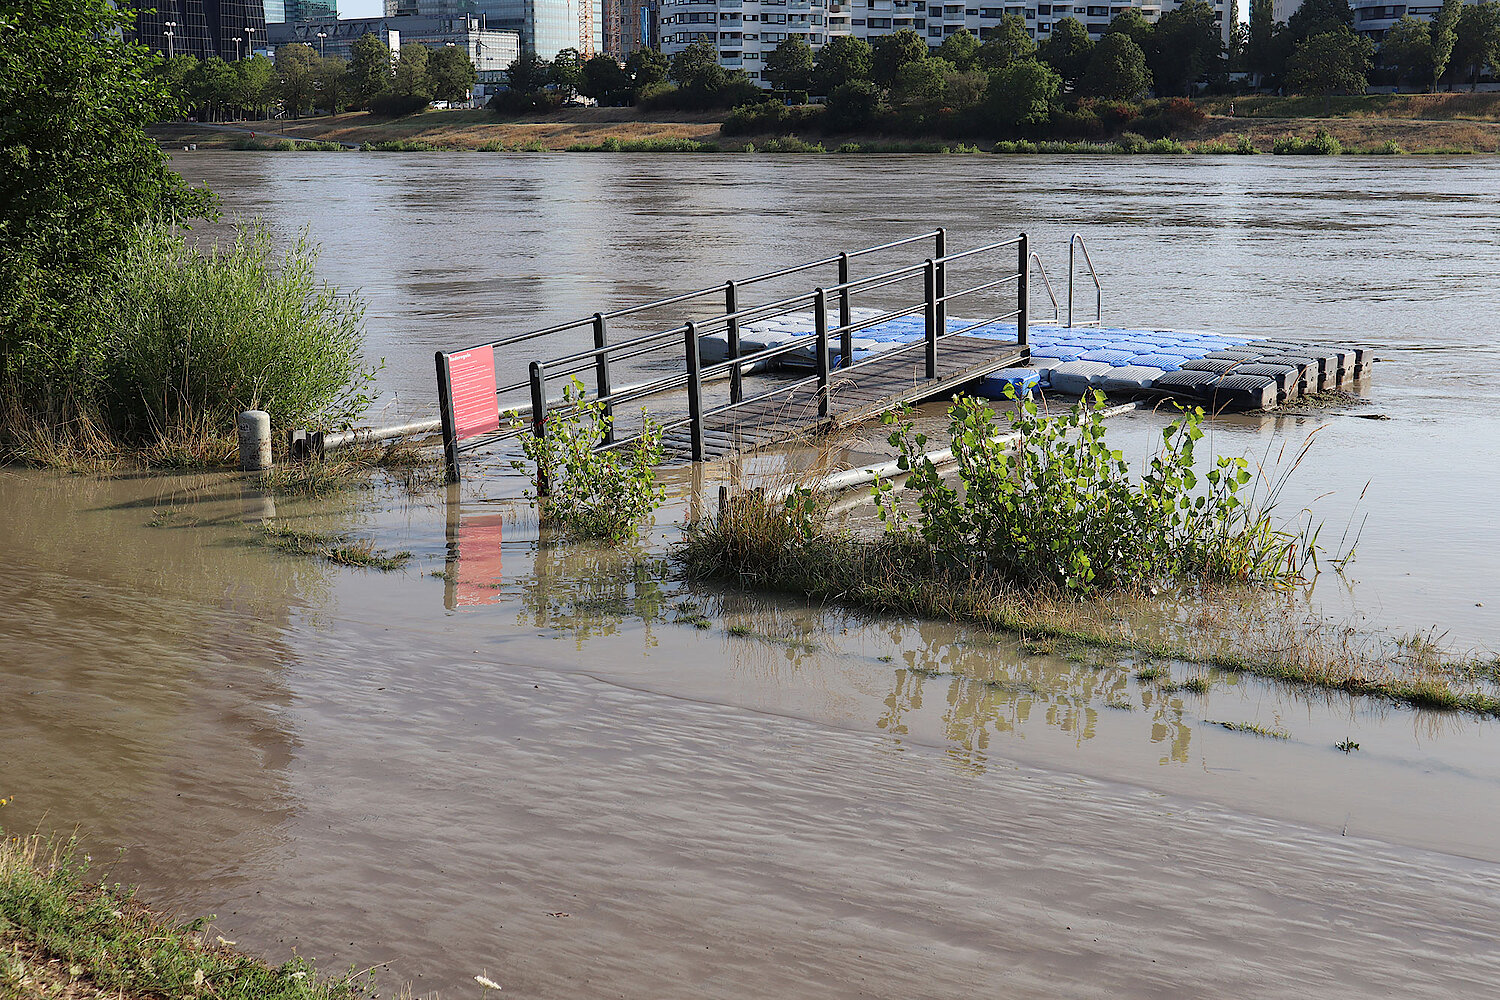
{"x":255,"y":440}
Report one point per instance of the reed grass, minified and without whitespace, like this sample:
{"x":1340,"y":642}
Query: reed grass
{"x":175,"y":345}
{"x":337,"y":548}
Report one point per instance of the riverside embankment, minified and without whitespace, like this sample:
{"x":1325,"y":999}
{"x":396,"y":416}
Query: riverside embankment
{"x":560,"y":766}
{"x":1452,"y":126}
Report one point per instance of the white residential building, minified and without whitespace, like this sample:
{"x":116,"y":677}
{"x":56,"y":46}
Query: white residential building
{"x":746,"y":31}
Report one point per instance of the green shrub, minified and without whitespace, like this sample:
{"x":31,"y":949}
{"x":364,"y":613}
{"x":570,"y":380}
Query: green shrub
{"x":390,"y":105}
{"x":1060,"y":508}
{"x":852,"y":106}
{"x":791,"y":144}
{"x":1132,"y":142}
{"x":204,"y":336}
{"x":593,"y":494}
{"x":1166,"y":146}
{"x":769,"y":116}
{"x":1321,"y":144}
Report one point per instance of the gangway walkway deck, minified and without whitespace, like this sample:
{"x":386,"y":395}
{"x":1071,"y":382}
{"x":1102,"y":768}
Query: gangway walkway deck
{"x":722,"y":417}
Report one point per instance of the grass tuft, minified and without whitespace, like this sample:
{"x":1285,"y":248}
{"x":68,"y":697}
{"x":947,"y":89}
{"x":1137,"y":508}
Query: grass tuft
{"x":1252,"y":728}
{"x":61,"y":936}
{"x":335,"y":548}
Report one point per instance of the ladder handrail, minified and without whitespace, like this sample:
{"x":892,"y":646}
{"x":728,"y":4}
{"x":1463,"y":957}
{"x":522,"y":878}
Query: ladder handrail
{"x":1046,"y":283}
{"x":1075,"y":242}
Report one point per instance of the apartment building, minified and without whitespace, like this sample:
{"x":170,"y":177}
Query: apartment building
{"x":490,"y":51}
{"x":745,"y":31}
{"x":1373,"y":18}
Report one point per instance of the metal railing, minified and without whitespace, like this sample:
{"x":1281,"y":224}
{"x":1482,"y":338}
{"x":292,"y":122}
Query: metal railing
{"x":833,"y":323}
{"x":1075,"y":243}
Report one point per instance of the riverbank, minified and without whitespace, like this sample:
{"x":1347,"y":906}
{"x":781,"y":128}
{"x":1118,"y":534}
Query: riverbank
{"x":63,"y":935}
{"x":1384,"y":124}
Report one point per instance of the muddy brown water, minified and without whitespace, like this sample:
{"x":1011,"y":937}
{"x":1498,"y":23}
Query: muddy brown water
{"x":541,"y":769}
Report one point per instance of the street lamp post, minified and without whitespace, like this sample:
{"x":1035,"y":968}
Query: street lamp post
{"x":321,"y":35}
{"x":236,"y":48}
{"x":168,"y":33}
{"x":248,"y":33}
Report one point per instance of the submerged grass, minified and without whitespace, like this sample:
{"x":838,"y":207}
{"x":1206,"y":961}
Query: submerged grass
{"x":757,"y":544}
{"x":334,"y":547}
{"x":1252,"y":728}
{"x":62,"y":936}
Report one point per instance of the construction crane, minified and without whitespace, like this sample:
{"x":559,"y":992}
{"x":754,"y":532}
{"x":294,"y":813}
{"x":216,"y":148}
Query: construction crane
{"x":586,"y":28}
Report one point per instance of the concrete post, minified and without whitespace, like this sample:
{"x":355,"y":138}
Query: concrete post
{"x":255,"y":440}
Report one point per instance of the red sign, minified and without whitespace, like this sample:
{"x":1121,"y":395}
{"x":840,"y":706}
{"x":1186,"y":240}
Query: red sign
{"x":471,"y":381}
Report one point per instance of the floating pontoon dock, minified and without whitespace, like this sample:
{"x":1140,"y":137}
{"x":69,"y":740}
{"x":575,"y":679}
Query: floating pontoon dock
{"x":745,"y":376}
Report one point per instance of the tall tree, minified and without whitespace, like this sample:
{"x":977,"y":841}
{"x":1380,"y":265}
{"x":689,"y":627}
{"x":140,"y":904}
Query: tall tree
{"x":369,"y":68}
{"x":605,"y":80}
{"x":1117,"y":70}
{"x":297,"y":70}
{"x":81,"y":176}
{"x":452,"y":73}
{"x":1007,"y":42}
{"x":843,"y":59}
{"x":961,"y":49}
{"x":1067,"y":50}
{"x":1476,"y":43}
{"x":1023,"y":95}
{"x":697,"y":66}
{"x":1331,"y":63}
{"x":255,"y":83}
{"x":529,"y":74}
{"x":1407,"y":51}
{"x":1444,"y":35}
{"x":789,"y":66}
{"x":333,"y":83}
{"x":1318,"y":17}
{"x":893,"y":51}
{"x":412,"y":78}
{"x":647,"y":67}
{"x":1262,"y":48}
{"x":1188,"y":46}
{"x":567,"y":72}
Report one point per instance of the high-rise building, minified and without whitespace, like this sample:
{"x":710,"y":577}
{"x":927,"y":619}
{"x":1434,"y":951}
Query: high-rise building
{"x":228,"y":29}
{"x":304,"y":10}
{"x":490,"y":51}
{"x":745,"y":31}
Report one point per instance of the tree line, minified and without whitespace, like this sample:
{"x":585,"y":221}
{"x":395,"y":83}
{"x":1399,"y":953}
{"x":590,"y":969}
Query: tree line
{"x":299,"y":80}
{"x":690,"y":80}
{"x":1317,"y":51}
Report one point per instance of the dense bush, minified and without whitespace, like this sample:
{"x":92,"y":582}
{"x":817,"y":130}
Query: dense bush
{"x":1169,"y":117}
{"x":770,"y":116}
{"x":1321,"y":144}
{"x":852,"y":106}
{"x":593,"y":493}
{"x":1055,"y":505}
{"x":392,"y":105}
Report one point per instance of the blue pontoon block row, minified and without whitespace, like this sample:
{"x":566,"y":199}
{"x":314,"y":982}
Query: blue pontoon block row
{"x":1022,"y":382}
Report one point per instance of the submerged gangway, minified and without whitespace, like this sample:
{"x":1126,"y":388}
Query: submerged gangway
{"x":705,"y":409}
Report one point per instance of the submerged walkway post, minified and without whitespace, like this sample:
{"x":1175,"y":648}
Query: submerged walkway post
{"x":254,"y":430}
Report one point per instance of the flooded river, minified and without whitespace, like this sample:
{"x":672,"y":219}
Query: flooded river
{"x":559,"y":767}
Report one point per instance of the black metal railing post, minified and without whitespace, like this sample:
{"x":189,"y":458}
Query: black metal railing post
{"x":601,"y":370}
{"x":1023,"y":296}
{"x":930,"y":316}
{"x":445,"y":410}
{"x":846,"y":336}
{"x":694,"y":388}
{"x":820,"y":326}
{"x":732,"y":306}
{"x":942,"y":283}
{"x":539,"y":422}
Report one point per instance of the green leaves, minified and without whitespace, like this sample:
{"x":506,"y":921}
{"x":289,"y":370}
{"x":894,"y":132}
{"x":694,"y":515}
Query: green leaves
{"x":595,"y":494}
{"x":1050,"y":503}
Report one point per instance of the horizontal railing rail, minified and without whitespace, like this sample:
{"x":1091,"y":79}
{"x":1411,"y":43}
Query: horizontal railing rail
{"x":469,"y":424}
